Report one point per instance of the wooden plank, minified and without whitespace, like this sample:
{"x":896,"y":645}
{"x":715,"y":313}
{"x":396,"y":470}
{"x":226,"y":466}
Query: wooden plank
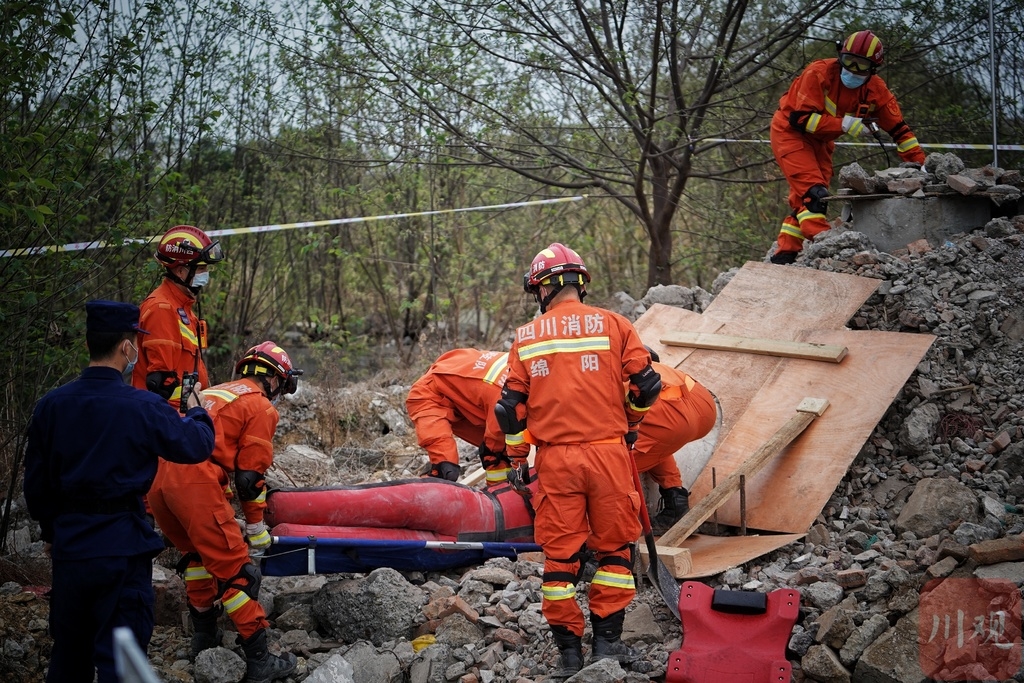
{"x":711,"y":555}
{"x":806,"y":412}
{"x":789,"y":492}
{"x":659,"y":320}
{"x":766,"y":347}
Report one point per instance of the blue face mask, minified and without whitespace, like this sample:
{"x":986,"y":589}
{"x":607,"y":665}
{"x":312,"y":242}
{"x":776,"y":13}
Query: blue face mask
{"x":131,"y":363}
{"x":852,"y":80}
{"x":200,"y":279}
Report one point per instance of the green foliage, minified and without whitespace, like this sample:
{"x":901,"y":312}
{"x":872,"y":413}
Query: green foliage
{"x":120,"y":120}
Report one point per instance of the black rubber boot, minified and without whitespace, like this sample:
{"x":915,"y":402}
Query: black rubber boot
{"x":608,"y":638}
{"x":260,"y":665}
{"x":783,"y":257}
{"x":205,"y":633}
{"x":570,"y":652}
{"x":675,"y":504}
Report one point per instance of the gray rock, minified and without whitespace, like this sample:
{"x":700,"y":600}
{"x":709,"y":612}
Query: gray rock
{"x":219,"y":665}
{"x":1010,"y":571}
{"x":299,"y":617}
{"x":455,"y":630}
{"x":379,"y":607}
{"x":641,"y":626}
{"x":943,"y":165}
{"x":601,"y":671}
{"x":372,"y":666}
{"x":934,"y":505}
{"x":334,"y":670}
{"x":969,"y":533}
{"x":495,"y":576}
{"x":919,"y":429}
{"x":823,"y":594}
{"x":669,"y":295}
{"x":892,"y":658}
{"x":865,"y":634}
{"x":476,"y":593}
{"x":821,"y":664}
{"x":430,"y":664}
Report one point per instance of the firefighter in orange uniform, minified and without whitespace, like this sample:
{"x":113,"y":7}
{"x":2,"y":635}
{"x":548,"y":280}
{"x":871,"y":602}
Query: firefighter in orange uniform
{"x":566,"y":373}
{"x":174,"y":349}
{"x":456,"y":397}
{"x":192,"y":507}
{"x":831,"y":97}
{"x":685,"y":411}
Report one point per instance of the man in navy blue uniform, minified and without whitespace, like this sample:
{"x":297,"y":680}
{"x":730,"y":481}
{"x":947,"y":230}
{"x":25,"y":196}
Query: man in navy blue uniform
{"x":92,"y":453}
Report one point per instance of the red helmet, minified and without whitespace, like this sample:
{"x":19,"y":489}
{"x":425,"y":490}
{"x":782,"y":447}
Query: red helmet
{"x":861,"y":52}
{"x":269,"y":359}
{"x":552,"y":264}
{"x":185,"y":245}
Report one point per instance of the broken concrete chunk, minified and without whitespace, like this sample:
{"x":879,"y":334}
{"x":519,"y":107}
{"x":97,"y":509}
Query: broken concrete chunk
{"x":943,"y":165}
{"x":962,"y":184}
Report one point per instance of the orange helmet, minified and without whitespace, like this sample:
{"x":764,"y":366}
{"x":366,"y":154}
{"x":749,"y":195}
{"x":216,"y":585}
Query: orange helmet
{"x":861,"y":52}
{"x":187,"y":245}
{"x":552,"y":265}
{"x":270,"y":359}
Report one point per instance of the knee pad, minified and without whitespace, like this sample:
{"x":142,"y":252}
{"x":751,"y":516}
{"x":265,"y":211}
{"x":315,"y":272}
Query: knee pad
{"x":247,"y":580}
{"x":814,"y":201}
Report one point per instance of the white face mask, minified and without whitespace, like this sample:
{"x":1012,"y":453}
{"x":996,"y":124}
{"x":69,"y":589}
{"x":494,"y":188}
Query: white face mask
{"x":200,"y":280}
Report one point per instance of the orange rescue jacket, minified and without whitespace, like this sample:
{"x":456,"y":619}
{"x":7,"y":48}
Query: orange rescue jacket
{"x":571,"y":362}
{"x":245,"y":421}
{"x":816,"y":103}
{"x":173,"y":342}
{"x":469,"y":382}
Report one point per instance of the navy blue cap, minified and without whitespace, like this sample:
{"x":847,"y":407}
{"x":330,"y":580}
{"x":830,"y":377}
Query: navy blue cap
{"x":112,"y":317}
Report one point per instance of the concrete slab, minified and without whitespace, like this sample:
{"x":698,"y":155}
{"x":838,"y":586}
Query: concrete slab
{"x":894,"y":222}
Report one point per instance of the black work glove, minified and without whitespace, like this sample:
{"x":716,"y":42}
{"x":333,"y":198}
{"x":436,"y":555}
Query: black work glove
{"x":632,"y":434}
{"x":445,"y":470}
{"x":492,"y":459}
{"x":519,"y":477}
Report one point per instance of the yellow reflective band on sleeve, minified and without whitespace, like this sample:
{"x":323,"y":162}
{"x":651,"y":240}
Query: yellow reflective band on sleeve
{"x":812,"y":123}
{"x":830,"y":106}
{"x":236,"y":602}
{"x":577,"y":345}
{"x":637,"y":409}
{"x":558,"y":592}
{"x":494,"y":372}
{"x":176,"y":394}
{"x":197,"y":573}
{"x":515,"y":439}
{"x":623,"y":581}
{"x":908,"y":144}
{"x":808,"y":215}
{"x":187,"y":334}
{"x":262,"y":498}
{"x":792,"y":231}
{"x":497,"y":476}
{"x":223,"y":395}
{"x":260,"y":539}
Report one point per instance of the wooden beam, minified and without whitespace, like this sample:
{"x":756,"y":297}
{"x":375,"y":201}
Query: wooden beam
{"x":806,"y":412}
{"x":678,"y":560}
{"x":764,"y":347}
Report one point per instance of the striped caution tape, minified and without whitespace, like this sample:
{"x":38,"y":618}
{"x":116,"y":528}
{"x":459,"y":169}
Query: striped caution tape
{"x":101,"y":244}
{"x":940,"y":145}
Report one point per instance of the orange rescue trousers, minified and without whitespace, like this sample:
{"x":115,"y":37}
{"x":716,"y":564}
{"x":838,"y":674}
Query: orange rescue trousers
{"x":192,"y":510}
{"x":586,"y":495}
{"x":674,"y":421}
{"x":806,"y":162}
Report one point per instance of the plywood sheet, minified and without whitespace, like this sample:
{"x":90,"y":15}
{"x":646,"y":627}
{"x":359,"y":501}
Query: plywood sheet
{"x":710,"y":555}
{"x":778,"y":302}
{"x":791,"y":490}
{"x":762,"y":300}
{"x":659,"y":319}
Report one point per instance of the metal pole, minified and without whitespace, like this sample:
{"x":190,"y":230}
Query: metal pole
{"x":992,"y":76}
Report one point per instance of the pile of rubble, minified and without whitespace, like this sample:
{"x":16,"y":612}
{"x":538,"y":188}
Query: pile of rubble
{"x":937,"y":491}
{"x":942,"y":174}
